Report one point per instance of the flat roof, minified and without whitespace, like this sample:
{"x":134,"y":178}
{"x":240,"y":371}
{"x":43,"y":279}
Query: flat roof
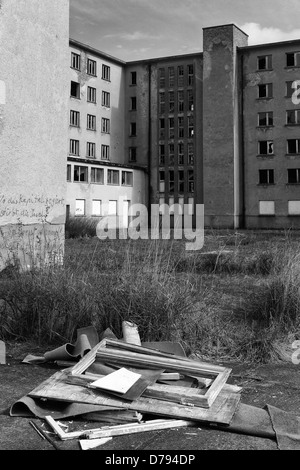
{"x":270,"y":44}
{"x":222,"y":26}
{"x":167,"y":58}
{"x":96,"y":52}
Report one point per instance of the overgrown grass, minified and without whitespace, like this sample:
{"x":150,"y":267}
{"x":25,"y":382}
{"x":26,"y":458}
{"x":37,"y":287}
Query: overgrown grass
{"x":239,"y":301}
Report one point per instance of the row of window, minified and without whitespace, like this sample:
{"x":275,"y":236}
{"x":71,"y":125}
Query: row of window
{"x":90,"y":122}
{"x":91,"y":66}
{"x":181,"y":104}
{"x":91,"y":94}
{"x":267,"y":176}
{"x":266,"y":119}
{"x":185,"y":127}
{"x":97,"y":175}
{"x":176,"y":76}
{"x":181,"y":156}
{"x":183,"y":183}
{"x":90,"y":149}
{"x":264,"y":62}
{"x":265,"y":90}
{"x":268,"y":208}
{"x":97,"y":209}
{"x":266,"y":147}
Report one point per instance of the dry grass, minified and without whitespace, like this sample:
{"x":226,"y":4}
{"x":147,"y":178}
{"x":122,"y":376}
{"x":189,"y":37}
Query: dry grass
{"x":240,"y":302}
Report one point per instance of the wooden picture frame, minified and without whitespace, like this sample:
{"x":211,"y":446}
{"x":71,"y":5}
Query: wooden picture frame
{"x":119,"y":353}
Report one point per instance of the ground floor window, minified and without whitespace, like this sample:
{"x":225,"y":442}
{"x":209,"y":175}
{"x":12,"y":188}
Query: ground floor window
{"x":294,"y":207}
{"x":266,"y":207}
{"x":80,"y":207}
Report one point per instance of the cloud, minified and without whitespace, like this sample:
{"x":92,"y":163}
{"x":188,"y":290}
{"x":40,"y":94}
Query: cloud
{"x":261,"y":35}
{"x":136,"y":36}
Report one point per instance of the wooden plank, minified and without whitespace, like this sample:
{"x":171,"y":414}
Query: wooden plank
{"x":118,"y":430}
{"x":221,"y":411}
{"x":146,"y":360}
{"x":153,"y":425}
{"x":173,"y":393}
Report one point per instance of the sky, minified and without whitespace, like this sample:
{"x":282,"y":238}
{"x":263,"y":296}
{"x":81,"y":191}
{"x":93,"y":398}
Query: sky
{"x":143,"y":29}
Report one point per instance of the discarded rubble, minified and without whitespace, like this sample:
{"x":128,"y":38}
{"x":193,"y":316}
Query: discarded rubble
{"x":125,"y":388}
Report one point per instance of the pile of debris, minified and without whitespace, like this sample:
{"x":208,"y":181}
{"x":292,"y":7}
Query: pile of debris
{"x":125,"y":381}
{"x":124,"y":386}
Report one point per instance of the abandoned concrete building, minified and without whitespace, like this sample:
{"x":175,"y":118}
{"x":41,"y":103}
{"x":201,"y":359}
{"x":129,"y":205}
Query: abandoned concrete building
{"x":219,"y":128}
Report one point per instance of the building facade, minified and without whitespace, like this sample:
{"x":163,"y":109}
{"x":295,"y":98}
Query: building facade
{"x":219,"y":128}
{"x":34,"y":83}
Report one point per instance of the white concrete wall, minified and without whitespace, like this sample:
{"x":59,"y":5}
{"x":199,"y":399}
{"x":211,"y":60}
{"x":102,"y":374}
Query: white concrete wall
{"x":34,"y":84}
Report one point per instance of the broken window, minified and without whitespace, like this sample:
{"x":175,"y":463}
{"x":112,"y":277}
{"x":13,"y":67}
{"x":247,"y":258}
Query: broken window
{"x":92,"y":67}
{"x":171,"y":154}
{"x":265,"y":119}
{"x":133,"y":129}
{"x":74,"y":118}
{"x":293,"y":146}
{"x":162,"y":128}
{"x":181,"y":181}
{"x":161,"y":181}
{"x":190,"y":126}
{"x":180,"y":127}
{"x":190,"y":153}
{"x":104,"y":152}
{"x":133,"y":103}
{"x":190,"y":100}
{"x":75,"y":90}
{"x":113,"y":177}
{"x":97,"y":175}
{"x":161,"y":155}
{"x":264,"y":62}
{"x":265,"y":147}
{"x":180,"y":101}
{"x":171,"y":128}
{"x":293,"y":175}
{"x":91,"y":94}
{"x":180,"y":153}
{"x":81,"y":173}
{"x":266,"y":176}
{"x":293,"y":59}
{"x":171,"y":181}
{"x":133,"y":78}
{"x":191,"y":183}
{"x":291,"y":88}
{"x":293,"y":116}
{"x":265,"y":90}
